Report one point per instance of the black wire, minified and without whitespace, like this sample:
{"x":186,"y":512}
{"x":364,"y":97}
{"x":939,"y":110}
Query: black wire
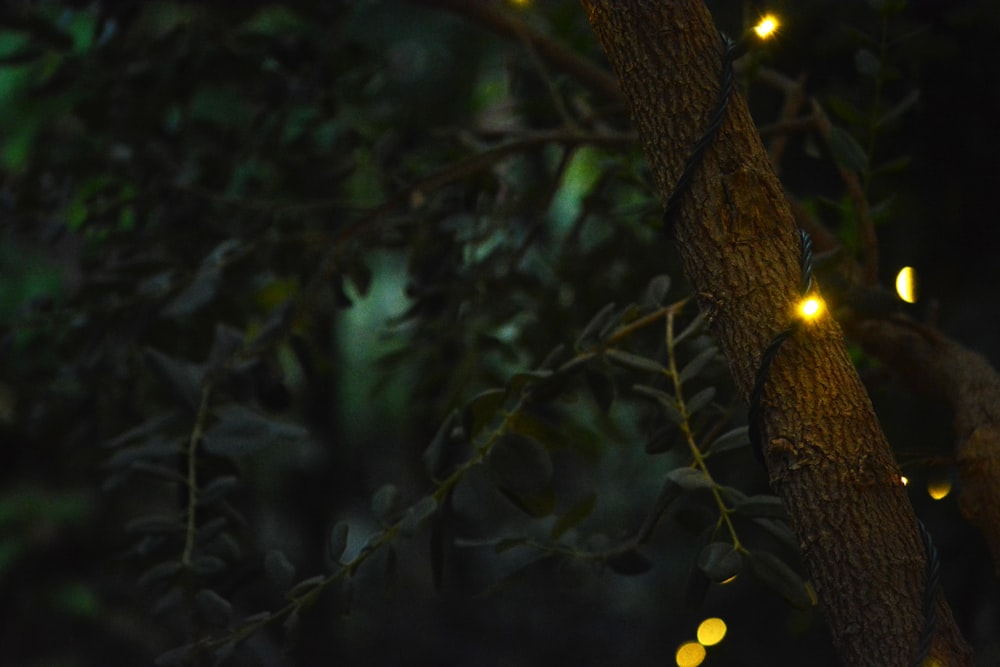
{"x":931,"y":588}
{"x":771,"y":351}
{"x":726,"y":82}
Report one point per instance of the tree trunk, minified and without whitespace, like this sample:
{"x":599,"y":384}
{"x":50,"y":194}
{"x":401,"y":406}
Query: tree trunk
{"x":826,"y":455}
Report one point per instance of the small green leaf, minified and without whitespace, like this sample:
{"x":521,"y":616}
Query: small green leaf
{"x":693,"y":327}
{"x":179,"y":656}
{"x":183,"y":379}
{"x":385,"y":501}
{"x":573,"y":516}
{"x":777,"y":575}
{"x":690,"y":479}
{"x":214,"y":608}
{"x":198,"y":293}
{"x":519,"y":381}
{"x":508,"y":543}
{"x":520,"y":464}
{"x":867,"y":63}
{"x":206,"y":564}
{"x":635,"y":362}
{"x":700,"y":400}
{"x":538,"y":504}
{"x":900,"y":108}
{"x":669,"y":492}
{"x":241,"y":431}
{"x":337,"y":541}
{"x":226,"y":343}
{"x":479,"y":411}
{"x":695,"y":366}
{"x":846,"y":150}
{"x":656,"y":291}
{"x":537,"y":429}
{"x":737,"y":437}
{"x":627,"y":314}
{"x":780,"y":530}
{"x":305,"y":587}
{"x":720,"y":561}
{"x":217,"y":489}
{"x":152,"y":426}
{"x":663,"y":440}
{"x":666,"y":401}
{"x":160,"y":471}
{"x":589,"y":335}
{"x":158,"y":573}
{"x":417,"y":515}
{"x":846,"y":110}
{"x":153,"y":449}
{"x":433,"y":456}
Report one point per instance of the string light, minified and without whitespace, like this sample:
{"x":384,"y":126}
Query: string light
{"x":690,"y":654}
{"x":939,"y":489}
{"x":906,"y":284}
{"x":766,"y":27}
{"x":711,"y":631}
{"x":905,"y":480}
{"x":810,"y":308}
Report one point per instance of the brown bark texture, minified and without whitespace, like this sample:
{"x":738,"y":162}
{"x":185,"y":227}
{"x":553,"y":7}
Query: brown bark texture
{"x":826,"y":455}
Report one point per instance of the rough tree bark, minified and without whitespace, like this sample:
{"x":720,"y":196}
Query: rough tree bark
{"x":825,"y":452}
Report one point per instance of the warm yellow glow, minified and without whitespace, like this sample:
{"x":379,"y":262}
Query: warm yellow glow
{"x":520,"y":3}
{"x":810,"y":308}
{"x":726,"y":581}
{"x":905,"y":480}
{"x":690,"y":654}
{"x":939,"y":488}
{"x":711,"y":631}
{"x":906,"y":284}
{"x":766,"y":27}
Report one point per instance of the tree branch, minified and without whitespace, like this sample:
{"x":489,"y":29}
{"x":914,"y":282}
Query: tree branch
{"x":505,"y":22}
{"x":826,"y":454}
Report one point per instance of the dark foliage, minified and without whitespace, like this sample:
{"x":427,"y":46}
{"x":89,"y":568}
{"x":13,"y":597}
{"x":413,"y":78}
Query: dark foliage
{"x":346,"y":332}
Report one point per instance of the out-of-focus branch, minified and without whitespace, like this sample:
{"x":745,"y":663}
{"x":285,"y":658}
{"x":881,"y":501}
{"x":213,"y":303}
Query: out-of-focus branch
{"x":941,"y":368}
{"x":507,"y":23}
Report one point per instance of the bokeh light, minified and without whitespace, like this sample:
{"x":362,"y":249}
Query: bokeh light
{"x":711,"y":631}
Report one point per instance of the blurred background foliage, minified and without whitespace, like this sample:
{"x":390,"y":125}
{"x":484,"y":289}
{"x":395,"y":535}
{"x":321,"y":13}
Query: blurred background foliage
{"x":308,"y":335}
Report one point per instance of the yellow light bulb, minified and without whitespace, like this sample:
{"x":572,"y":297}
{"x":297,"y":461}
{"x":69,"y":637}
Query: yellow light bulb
{"x":906,"y":284}
{"x":904,"y":479}
{"x":810,"y":308}
{"x":690,"y":654}
{"x":938,"y":489}
{"x":766,"y":27}
{"x":711,"y":631}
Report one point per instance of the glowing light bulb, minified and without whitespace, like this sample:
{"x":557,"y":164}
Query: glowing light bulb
{"x":810,"y":308}
{"x":904,"y":479}
{"x":690,"y":654}
{"x":711,"y":631}
{"x":939,"y":488}
{"x":906,"y":284}
{"x":766,"y":27}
